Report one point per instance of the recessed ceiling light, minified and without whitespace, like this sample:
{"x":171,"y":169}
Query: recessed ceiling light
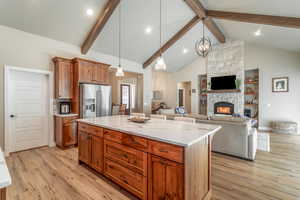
{"x":257,"y":33}
{"x":185,"y":50}
{"x":89,"y":12}
{"x":148,"y":30}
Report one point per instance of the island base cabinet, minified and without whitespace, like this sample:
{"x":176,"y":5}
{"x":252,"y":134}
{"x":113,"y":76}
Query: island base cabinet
{"x":90,"y":150}
{"x":3,"y":194}
{"x":97,"y":153}
{"x":165,"y":179}
{"x":130,"y":180}
{"x":84,"y":147}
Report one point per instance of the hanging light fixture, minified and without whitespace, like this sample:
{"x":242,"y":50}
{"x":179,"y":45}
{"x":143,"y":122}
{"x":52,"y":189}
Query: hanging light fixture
{"x":120,"y":72}
{"x":203,"y":46}
{"x":160,"y":62}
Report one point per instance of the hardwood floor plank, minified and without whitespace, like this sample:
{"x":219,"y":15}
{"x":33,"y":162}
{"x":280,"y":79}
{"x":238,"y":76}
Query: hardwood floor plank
{"x":52,"y":174}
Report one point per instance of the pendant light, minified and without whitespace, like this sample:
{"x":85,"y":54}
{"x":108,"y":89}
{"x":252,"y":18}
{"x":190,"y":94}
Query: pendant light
{"x":203,"y":46}
{"x":160,"y":62}
{"x":120,"y":72}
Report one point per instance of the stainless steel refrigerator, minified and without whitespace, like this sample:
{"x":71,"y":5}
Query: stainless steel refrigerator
{"x":95,"y":100}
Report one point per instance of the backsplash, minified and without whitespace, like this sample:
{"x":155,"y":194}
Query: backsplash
{"x":224,"y":60}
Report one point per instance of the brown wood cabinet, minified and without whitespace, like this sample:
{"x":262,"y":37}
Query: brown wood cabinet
{"x":91,"y":72}
{"x":63,"y":78}
{"x":90,"y":146}
{"x":151,"y":170}
{"x":3,"y":194}
{"x":84,"y":147}
{"x":97,"y":153}
{"x":166,"y":179}
{"x":65,"y":131}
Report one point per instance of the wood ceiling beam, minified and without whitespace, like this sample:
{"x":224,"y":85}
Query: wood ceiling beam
{"x":197,"y":7}
{"x":290,"y":22}
{"x":99,"y":25}
{"x":173,"y":40}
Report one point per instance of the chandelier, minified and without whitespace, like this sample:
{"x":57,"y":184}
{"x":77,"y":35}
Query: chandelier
{"x":203,"y":46}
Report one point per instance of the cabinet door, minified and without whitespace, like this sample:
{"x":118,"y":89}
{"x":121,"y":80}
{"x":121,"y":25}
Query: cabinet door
{"x":84,"y":147}
{"x":97,"y":153}
{"x":166,"y":179}
{"x":86,"y":72}
{"x":64,"y":80}
{"x":70,"y":133}
{"x":101,"y":74}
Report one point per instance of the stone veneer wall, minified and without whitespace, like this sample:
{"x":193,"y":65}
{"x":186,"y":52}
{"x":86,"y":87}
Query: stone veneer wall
{"x":224,"y":60}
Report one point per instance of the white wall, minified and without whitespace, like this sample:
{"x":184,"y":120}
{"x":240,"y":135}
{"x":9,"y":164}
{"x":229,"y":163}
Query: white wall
{"x":21,"y":49}
{"x":188,"y":73}
{"x":275,"y":63}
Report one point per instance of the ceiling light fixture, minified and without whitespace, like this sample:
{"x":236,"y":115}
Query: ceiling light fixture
{"x":148,"y":30}
{"x":258,"y":32}
{"x":185,"y":50}
{"x":203,"y":46}
{"x":160,"y":62}
{"x":89,"y":12}
{"x":120,"y":72}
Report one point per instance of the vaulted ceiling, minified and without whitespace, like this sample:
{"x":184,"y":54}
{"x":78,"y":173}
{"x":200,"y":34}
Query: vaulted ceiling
{"x":66,"y":20}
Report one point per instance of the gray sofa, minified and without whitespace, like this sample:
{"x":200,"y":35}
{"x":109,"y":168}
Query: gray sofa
{"x":237,"y":139}
{"x":237,"y":136}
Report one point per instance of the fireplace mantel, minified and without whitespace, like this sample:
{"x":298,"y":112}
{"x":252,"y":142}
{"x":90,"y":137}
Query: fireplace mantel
{"x":224,"y":91}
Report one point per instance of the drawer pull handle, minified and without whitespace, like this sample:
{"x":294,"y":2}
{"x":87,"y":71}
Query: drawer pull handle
{"x":163,"y":150}
{"x":125,"y":156}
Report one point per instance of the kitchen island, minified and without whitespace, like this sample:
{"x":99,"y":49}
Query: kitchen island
{"x":158,"y":160}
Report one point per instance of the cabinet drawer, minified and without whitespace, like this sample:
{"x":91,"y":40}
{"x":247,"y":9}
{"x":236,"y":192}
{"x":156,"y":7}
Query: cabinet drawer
{"x":130,"y":180}
{"x":167,"y":151}
{"x":130,"y":158}
{"x":67,"y":120}
{"x":111,"y":135}
{"x":126,"y":139}
{"x":96,"y":131}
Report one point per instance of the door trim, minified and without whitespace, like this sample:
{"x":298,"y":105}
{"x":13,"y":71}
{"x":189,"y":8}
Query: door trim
{"x":50,"y":80}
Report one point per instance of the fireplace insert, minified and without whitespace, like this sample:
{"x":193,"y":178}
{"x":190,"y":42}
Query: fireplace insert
{"x":224,"y":108}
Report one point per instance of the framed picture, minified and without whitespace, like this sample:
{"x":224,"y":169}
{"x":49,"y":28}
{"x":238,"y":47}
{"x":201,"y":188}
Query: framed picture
{"x":280,"y":84}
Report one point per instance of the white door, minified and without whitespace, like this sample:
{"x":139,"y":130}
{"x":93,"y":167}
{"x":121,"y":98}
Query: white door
{"x":27,"y":107}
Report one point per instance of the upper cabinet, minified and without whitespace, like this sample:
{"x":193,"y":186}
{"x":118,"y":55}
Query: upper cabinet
{"x":63,"y":78}
{"x":91,"y":72}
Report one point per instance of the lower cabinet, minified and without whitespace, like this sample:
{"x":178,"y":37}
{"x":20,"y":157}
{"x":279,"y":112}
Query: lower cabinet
{"x":84,"y":147}
{"x":129,"y":179}
{"x":65,"y":131}
{"x":97,"y":153}
{"x":145,"y":175}
{"x":166,"y":179}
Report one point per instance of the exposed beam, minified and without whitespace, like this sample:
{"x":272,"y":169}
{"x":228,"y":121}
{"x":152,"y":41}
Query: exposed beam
{"x":99,"y":25}
{"x":290,"y":22}
{"x":173,"y":40}
{"x":214,"y":29}
{"x":197,"y":7}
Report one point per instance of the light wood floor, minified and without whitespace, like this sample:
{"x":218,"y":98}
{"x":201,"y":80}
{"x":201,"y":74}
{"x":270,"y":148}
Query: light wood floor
{"x":50,"y":173}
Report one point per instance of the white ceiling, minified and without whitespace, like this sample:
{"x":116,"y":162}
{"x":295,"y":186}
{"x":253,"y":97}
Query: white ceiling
{"x":66,"y":20}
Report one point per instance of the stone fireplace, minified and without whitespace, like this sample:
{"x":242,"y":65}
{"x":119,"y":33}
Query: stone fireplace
{"x":224,"y":108}
{"x":226,"y":60}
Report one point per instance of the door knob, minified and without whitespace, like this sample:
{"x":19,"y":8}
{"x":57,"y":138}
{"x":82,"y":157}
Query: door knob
{"x":12,"y":116}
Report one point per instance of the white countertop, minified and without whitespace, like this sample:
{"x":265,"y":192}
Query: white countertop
{"x":66,"y":115}
{"x":5,"y":179}
{"x":169,"y":131}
